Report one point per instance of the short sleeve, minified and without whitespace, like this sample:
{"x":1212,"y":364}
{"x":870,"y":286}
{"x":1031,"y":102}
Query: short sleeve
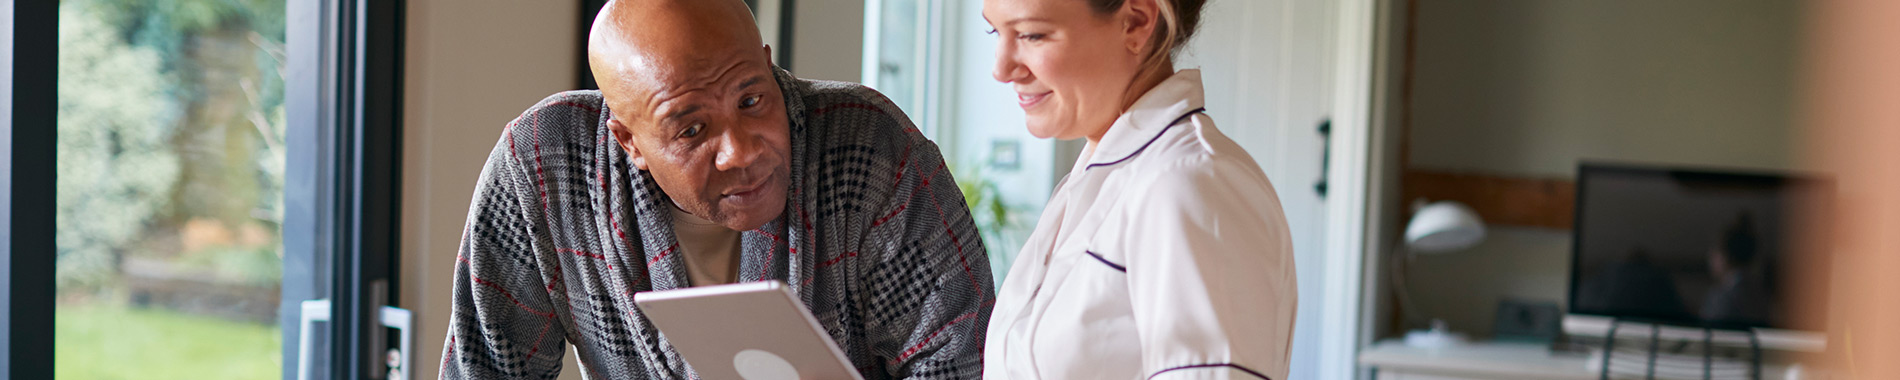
{"x":1210,"y":273}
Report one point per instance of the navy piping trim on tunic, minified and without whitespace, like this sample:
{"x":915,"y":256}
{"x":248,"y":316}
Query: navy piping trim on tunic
{"x":1098,"y":257}
{"x":1210,"y":365}
{"x":1144,"y":146}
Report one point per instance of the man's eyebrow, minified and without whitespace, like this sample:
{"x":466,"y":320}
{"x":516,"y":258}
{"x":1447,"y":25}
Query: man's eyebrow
{"x":751,"y":81}
{"x":682,"y":112}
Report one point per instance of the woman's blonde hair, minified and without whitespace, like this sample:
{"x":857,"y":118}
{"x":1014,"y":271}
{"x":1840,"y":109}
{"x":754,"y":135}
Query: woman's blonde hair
{"x":1178,"y":21}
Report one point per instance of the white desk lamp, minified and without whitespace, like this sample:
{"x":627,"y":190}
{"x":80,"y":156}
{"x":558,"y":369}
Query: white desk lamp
{"x":1436,"y":228}
{"x":1442,"y":227}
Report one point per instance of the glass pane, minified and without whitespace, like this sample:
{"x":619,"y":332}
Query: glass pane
{"x":900,"y":66}
{"x":171,"y":170}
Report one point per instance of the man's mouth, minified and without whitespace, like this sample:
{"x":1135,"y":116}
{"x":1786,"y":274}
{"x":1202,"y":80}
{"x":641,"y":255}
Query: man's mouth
{"x":749,"y":192}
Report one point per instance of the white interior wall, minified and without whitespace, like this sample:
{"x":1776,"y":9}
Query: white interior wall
{"x":470,"y":67}
{"x":1530,"y":87}
{"x":828,"y":39}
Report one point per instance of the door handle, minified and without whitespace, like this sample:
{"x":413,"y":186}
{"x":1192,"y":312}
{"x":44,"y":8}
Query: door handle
{"x":318,"y":310}
{"x":401,"y":320}
{"x":1325,"y":156}
{"x":313,"y":311}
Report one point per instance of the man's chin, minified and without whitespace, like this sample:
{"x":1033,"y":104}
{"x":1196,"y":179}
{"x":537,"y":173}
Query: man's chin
{"x":748,"y":224}
{"x":753,"y":216}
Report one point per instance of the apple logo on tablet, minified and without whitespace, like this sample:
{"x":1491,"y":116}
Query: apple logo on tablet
{"x":754,"y":364}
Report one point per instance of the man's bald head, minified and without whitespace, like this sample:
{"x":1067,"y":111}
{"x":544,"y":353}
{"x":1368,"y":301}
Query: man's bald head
{"x":635,"y":44}
{"x":694,"y":102}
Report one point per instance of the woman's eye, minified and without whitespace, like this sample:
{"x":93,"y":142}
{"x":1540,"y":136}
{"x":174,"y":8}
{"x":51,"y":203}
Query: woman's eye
{"x":691,"y":130}
{"x":1030,"y":36}
{"x":749,"y":101}
{"x":992,"y":31}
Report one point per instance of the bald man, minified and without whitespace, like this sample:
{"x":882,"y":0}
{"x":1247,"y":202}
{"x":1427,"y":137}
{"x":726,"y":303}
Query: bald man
{"x":701,"y":163}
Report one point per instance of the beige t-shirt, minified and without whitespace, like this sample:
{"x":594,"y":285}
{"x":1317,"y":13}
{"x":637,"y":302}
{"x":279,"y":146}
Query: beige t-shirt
{"x":711,"y":250}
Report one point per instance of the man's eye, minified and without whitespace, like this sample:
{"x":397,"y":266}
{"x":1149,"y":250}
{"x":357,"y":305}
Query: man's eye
{"x":749,"y":101}
{"x":691,"y":130}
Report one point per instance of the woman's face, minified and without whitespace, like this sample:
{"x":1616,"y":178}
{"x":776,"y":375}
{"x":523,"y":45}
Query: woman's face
{"x":1070,"y":66}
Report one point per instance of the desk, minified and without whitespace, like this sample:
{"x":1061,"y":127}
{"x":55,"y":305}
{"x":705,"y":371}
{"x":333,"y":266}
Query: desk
{"x":1393,"y":360}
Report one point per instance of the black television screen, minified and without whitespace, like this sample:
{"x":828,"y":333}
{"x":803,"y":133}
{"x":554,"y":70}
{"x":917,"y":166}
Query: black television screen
{"x":1690,"y":247}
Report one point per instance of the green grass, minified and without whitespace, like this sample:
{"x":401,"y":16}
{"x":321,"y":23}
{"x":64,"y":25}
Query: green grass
{"x":117,"y":342}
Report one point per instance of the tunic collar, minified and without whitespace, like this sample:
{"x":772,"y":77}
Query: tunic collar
{"x":1172,"y":100}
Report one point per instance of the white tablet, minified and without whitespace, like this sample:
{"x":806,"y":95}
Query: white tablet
{"x":750,"y":331}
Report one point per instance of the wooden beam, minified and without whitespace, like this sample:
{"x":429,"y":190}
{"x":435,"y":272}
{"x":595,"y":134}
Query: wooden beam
{"x":1500,"y":200}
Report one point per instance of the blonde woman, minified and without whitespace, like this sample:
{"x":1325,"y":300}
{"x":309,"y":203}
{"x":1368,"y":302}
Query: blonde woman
{"x":1164,"y":253}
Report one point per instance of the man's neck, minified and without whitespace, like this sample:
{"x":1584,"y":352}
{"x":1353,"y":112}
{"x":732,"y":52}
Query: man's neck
{"x":711,"y":251}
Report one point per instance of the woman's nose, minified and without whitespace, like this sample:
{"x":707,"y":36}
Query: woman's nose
{"x":1007,"y":69}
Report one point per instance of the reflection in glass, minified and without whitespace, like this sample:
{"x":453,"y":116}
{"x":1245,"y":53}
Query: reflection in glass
{"x":171,"y":169}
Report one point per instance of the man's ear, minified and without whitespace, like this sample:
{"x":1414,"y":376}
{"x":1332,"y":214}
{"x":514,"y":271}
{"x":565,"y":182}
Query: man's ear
{"x":624,"y":137}
{"x":768,"y":56}
{"x":1139,"y":19}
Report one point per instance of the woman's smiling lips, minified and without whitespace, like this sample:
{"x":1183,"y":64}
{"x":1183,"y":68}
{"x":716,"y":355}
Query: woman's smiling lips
{"x":1031,"y":100}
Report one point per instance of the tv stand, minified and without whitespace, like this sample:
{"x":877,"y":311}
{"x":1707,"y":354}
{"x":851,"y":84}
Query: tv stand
{"x":1767,"y":339}
{"x":1648,"y":361}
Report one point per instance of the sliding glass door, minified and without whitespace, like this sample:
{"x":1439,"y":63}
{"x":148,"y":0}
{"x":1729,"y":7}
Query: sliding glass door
{"x":214,"y":165}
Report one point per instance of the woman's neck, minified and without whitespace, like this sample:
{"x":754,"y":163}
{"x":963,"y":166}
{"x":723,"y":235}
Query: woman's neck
{"x":1146,"y":80}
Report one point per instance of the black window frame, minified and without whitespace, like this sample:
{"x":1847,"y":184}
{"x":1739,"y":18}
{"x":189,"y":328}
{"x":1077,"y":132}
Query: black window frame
{"x":342,"y":186}
{"x":344,"y":95}
{"x":29,"y":202}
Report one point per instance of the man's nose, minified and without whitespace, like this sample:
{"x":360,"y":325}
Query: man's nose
{"x":738,"y":148}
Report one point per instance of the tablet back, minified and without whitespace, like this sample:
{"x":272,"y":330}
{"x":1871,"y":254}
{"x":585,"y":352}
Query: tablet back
{"x":751,"y":331}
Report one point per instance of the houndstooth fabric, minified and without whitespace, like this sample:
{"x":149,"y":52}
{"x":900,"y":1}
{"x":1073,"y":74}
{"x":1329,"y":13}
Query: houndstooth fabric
{"x":875,"y":239}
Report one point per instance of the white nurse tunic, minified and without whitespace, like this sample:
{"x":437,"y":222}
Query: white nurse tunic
{"x":1163,"y":254}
